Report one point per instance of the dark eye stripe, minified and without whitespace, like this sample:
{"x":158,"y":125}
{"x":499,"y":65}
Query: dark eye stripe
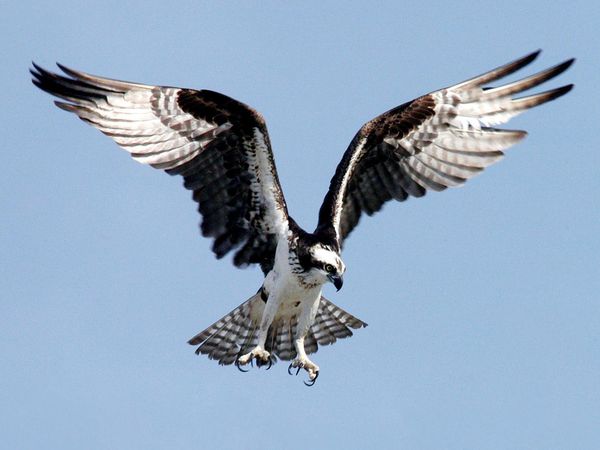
{"x":321,"y":265}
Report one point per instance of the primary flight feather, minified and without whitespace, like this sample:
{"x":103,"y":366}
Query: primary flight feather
{"x":221,"y":148}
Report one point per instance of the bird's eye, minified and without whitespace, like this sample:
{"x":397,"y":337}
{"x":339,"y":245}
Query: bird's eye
{"x":329,"y":268}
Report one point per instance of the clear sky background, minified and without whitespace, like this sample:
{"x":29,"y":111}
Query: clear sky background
{"x":482,"y":302}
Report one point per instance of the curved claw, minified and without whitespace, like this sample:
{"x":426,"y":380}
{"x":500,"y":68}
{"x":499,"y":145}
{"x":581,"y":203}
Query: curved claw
{"x":291,"y":366}
{"x":313,"y":381}
{"x":260,"y":363}
{"x":239,"y":367}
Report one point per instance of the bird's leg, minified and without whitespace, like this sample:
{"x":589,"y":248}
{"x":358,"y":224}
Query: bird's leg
{"x":259,"y":353}
{"x":305,"y":321}
{"x":301,"y":361}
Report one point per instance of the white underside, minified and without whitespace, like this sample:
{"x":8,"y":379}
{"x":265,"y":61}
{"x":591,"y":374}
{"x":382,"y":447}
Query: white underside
{"x":287,"y":299}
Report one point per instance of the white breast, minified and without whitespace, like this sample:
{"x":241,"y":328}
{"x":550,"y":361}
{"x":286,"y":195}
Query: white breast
{"x":282,"y":282}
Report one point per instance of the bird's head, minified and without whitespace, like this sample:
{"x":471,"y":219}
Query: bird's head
{"x":325,"y":265}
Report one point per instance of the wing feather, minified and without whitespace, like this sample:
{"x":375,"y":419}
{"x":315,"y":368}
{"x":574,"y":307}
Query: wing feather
{"x":218,"y":145}
{"x":436,"y":141}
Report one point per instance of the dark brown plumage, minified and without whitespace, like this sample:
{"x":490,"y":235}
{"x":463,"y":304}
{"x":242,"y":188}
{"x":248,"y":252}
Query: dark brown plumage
{"x":221,"y":148}
{"x":433,"y":142}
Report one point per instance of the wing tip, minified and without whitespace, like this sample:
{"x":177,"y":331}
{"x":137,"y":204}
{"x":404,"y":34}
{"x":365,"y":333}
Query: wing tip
{"x":66,"y":106}
{"x":526,"y":60}
{"x":38,"y":72}
{"x":560,"y":68}
{"x":566,"y":64}
{"x":523,"y":61}
{"x":35,"y":70}
{"x":564,"y":89}
{"x":68,"y":71}
{"x":532,"y":56}
{"x":556,"y":93}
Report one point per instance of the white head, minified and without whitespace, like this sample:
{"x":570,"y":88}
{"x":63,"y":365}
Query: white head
{"x":324,"y":264}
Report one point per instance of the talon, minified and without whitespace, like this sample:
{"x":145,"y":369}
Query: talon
{"x":260,"y":363}
{"x":291,"y":366}
{"x":313,"y":381}
{"x":239,"y":367}
{"x":304,"y":363}
{"x":261,"y":356}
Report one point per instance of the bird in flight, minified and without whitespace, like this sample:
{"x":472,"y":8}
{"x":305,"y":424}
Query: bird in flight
{"x":222,"y":150}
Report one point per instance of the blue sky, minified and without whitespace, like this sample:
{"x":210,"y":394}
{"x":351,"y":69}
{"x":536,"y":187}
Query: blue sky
{"x":482,"y":301}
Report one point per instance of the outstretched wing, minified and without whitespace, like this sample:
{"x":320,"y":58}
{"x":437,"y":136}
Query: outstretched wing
{"x":437,"y":141}
{"x":220,"y":146}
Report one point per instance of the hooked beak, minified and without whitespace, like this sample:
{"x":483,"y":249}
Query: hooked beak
{"x":337,"y":281}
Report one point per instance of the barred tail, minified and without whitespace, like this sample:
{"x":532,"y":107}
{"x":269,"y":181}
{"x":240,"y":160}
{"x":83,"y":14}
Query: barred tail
{"x":237,"y":332}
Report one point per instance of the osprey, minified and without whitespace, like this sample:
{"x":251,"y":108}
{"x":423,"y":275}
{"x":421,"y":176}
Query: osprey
{"x":221,"y":148}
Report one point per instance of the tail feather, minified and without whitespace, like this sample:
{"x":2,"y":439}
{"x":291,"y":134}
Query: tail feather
{"x":236,"y":329}
{"x":323,"y":334}
{"x":333,"y":323}
{"x":310,"y":343}
{"x":237,"y":332}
